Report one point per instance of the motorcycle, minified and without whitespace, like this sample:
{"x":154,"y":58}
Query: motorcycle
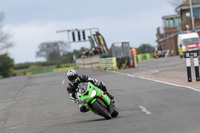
{"x":96,"y":101}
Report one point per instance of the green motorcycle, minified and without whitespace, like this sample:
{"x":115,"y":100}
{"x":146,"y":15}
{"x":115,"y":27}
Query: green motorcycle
{"x":96,"y":101}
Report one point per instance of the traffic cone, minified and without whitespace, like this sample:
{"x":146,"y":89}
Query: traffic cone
{"x":131,"y":64}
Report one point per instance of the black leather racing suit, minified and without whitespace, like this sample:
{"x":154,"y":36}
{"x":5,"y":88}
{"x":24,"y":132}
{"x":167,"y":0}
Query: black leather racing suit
{"x":72,"y":88}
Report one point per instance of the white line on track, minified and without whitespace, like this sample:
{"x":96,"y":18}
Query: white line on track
{"x":145,"y":110}
{"x":157,"y":81}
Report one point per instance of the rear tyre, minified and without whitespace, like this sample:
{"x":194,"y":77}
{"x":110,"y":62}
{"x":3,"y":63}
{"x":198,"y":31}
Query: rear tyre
{"x":101,"y":109}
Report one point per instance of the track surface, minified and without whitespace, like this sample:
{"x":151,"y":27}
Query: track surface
{"x":40,"y":104}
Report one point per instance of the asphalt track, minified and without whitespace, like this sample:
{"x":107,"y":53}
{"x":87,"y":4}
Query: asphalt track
{"x":40,"y":104}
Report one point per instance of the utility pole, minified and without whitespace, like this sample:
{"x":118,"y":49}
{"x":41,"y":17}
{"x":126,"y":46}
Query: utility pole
{"x":192,"y":17}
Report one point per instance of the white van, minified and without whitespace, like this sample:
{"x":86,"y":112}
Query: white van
{"x":187,"y":41}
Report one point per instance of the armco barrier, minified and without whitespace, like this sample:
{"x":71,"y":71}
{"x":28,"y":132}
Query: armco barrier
{"x":89,"y":62}
{"x":108,"y":63}
{"x":52,"y":70}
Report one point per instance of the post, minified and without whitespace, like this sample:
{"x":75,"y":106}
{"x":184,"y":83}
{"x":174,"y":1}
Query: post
{"x":188,"y":66}
{"x":192,"y":17}
{"x":196,"y":65}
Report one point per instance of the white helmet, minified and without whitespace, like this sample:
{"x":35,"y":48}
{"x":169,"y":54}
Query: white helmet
{"x":72,"y":75}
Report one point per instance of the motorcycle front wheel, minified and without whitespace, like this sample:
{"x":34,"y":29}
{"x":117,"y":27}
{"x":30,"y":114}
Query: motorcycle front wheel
{"x":101,"y":109}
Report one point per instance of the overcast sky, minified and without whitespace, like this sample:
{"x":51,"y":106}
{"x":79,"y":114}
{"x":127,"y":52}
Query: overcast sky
{"x":32,"y":22}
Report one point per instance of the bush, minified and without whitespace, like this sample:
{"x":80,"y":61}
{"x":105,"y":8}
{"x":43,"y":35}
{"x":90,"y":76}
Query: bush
{"x":6,"y":66}
{"x":22,"y":66}
{"x":58,"y":65}
{"x":35,"y":68}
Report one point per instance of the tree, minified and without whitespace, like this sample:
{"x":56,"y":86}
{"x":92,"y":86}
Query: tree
{"x":6,"y":66}
{"x":4,"y":37}
{"x":52,"y":51}
{"x":6,"y":63}
{"x":145,"y":48}
{"x":68,"y":57}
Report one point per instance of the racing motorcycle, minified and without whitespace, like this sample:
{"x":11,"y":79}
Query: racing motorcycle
{"x":96,"y":101}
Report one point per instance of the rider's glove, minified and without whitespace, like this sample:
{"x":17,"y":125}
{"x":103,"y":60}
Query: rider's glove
{"x":74,"y":99}
{"x":94,"y":81}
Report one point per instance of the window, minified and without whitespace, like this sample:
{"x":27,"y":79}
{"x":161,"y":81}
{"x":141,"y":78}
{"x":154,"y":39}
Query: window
{"x":178,"y":21}
{"x":170,"y":22}
{"x":190,"y":41}
{"x":196,"y":13}
{"x":167,"y":23}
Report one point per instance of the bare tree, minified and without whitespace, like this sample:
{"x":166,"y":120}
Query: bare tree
{"x":176,"y":3}
{"x":5,"y":44}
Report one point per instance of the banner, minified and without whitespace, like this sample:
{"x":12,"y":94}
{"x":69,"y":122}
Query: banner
{"x":96,"y":40}
{"x":101,"y":42}
{"x":91,"y":42}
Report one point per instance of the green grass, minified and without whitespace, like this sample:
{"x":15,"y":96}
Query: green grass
{"x":44,"y":69}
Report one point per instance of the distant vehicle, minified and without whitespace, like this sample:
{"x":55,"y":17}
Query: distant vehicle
{"x":187,"y":41}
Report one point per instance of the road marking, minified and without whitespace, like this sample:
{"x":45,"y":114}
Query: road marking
{"x":12,"y":128}
{"x":63,"y":82}
{"x":159,"y":81}
{"x":143,"y":109}
{"x":171,"y":84}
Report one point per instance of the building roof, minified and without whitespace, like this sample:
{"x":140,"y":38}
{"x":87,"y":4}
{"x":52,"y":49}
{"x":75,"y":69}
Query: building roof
{"x":185,"y":5}
{"x":171,"y":16}
{"x":196,"y":1}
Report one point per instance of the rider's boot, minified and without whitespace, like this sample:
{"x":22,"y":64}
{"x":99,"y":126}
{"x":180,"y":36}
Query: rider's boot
{"x":82,"y":108}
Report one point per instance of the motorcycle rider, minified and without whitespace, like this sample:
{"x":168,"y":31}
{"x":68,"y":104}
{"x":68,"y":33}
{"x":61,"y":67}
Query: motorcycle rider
{"x":75,"y":79}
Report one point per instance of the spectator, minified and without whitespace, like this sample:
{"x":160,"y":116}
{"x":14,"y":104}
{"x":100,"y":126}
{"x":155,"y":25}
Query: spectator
{"x":91,"y":53}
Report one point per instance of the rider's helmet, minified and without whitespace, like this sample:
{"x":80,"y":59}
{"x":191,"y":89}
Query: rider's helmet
{"x":72,"y":75}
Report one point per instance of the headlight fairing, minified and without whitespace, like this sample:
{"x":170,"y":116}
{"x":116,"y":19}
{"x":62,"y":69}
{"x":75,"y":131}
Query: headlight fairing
{"x":93,"y":93}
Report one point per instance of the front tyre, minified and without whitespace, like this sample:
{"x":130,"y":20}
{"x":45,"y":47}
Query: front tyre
{"x":98,"y":107}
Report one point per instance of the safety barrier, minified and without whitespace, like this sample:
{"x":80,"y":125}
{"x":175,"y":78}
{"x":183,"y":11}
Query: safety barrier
{"x":108,"y":63}
{"x":89,"y":62}
{"x":143,"y":57}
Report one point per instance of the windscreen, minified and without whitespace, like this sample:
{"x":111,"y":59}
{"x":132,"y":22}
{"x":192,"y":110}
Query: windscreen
{"x":82,"y":87}
{"x":190,"y":41}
